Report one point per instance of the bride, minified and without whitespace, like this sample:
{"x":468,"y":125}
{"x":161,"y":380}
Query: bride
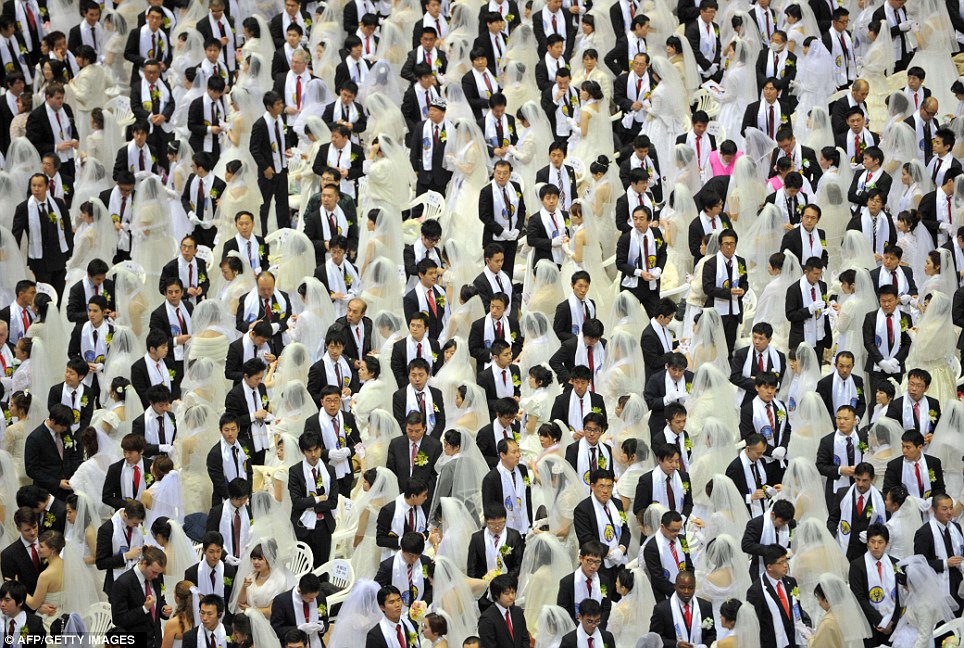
{"x":47,"y":597}
{"x":667,"y":116}
{"x":936,"y":352}
{"x":595,"y":133}
{"x":469,"y":163}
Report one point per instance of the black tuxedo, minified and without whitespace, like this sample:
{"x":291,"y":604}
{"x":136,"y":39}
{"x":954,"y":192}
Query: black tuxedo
{"x":495,"y":633}
{"x":230,"y":571}
{"x":928,"y":215}
{"x":894,"y":473}
{"x":793,"y":242}
{"x":560,"y":407}
{"x":352,"y":438}
{"x":566,"y":598}
{"x":399,"y":405}
{"x":112,"y":493}
{"x":411,"y":305}
{"x":330,"y":118}
{"x":258,"y":244}
{"x":570,"y":640}
{"x":77,"y":301}
{"x":384,"y":577}
{"x":663,"y":588}
{"x":408,"y":67}
{"x":356,"y":158}
{"x":562,"y":319}
{"x":586,"y":526}
{"x":319,"y":538}
{"x":492,"y":492}
{"x":541,"y":36}
{"x":159,"y":320}
{"x":277,"y":186}
{"x":799,"y":314}
{"x":753,"y":110}
{"x":343,"y":74}
{"x":488,"y":443}
{"x":438,"y":177}
{"x":748,"y":384}
{"x":276,"y":24}
{"x":477,"y":567}
{"x":476,"y":99}
{"x":730,"y":322}
{"x":44,"y":464}
{"x":652,"y":346}
{"x":784,"y":79}
{"x":752,"y":544}
{"x":757,"y":597}
{"x":694,"y":235}
{"x":924,"y":546}
{"x":648,"y":296}
{"x":86,"y":411}
{"x":400,"y":360}
{"x":869,"y":335}
{"x":41,"y":135}
{"x":281,"y":319}
{"x":692,"y":34}
{"x":896,"y":411}
{"x":644,"y":493}
{"x":352,"y":352}
{"x":127,"y":598}
{"x":236,"y":402}
{"x":16,"y":563}
{"x":141,"y":380}
{"x":735,"y":472}
{"x":487,"y":380}
{"x":908,"y":274}
{"x":542,"y":175}
{"x":375,"y":638}
{"x":215,"y":470}
{"x":563,"y":361}
{"x":172,"y":270}
{"x":626,"y":166}
{"x":859,"y":586}
{"x":825,"y":391}
{"x":491,"y":228}
{"x":51,"y":266}
{"x":655,"y":393}
{"x":477,"y":345}
{"x":158,"y":138}
{"x":199,"y":123}
{"x":858,"y":197}
{"x":858,"y":524}
{"x":400,"y":459}
{"x":663,"y":624}
{"x":384,"y":536}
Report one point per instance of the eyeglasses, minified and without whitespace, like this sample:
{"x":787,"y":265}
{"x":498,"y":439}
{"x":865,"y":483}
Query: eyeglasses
{"x":591,"y":622}
{"x":592,"y":562}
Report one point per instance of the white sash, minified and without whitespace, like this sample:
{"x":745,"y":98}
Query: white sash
{"x":577,"y":313}
{"x":34,"y":236}
{"x":729,"y":306}
{"x":882,"y":592}
{"x":400,"y":580}
{"x":872,"y":498}
{"x":773,"y":605}
{"x":880,"y":331}
{"x":813,"y":327}
{"x":314,"y":641}
{"x":399,"y":518}
{"x":220,"y":636}
{"x":887,"y":279}
{"x":671,"y":568}
{"x":609,"y":528}
{"x":661,"y":493}
{"x":121,"y":545}
{"x":694,"y":633}
{"x":204,"y":573}
{"x":582,"y":458}
{"x":411,"y":405}
{"x":581,"y":592}
{"x":309,"y":518}
{"x":909,"y":477}
{"x":332,"y":441}
{"x":514,"y":498}
{"x":252,"y":302}
{"x":582,"y":355}
{"x":940,"y":551}
{"x":907,"y":414}
{"x":226,"y":528}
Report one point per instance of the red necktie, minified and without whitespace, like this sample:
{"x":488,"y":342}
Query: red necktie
{"x":306,"y":608}
{"x":148,"y":592}
{"x":766,"y":12}
{"x":713,"y":222}
{"x":672,"y":548}
{"x":508,"y":623}
{"x":141,"y":159}
{"x":420,"y":397}
{"x":154,"y":107}
{"x":431,"y":303}
{"x":917,"y":414}
{"x":687,"y":613}
{"x":236,"y":533}
{"x":438,"y":28}
{"x":411,"y":519}
{"x":759,"y":362}
{"x":35,"y":556}
{"x":770,"y":123}
{"x":856,"y":146}
{"x":267,"y":310}
{"x":154,"y":51}
{"x":488,"y":86}
{"x":843,"y":46}
{"x":916,"y":102}
{"x":639,"y":85}
{"x":670,"y":498}
{"x":890,"y":332}
{"x":813,"y":294}
{"x":53,"y":184}
{"x":428,"y":58}
{"x":418,"y":350}
{"x":26,"y":320}
{"x":368,"y":44}
{"x":137,"y":482}
{"x":769,"y":409}
{"x":950,"y":212}
{"x":920,"y":482}
{"x":860,"y":506}
{"x":880,"y":572}
{"x":589,"y":586}
{"x":400,"y":635}
{"x":414,"y":452}
{"x":30,"y":18}
{"x":498,"y":330}
{"x":180,"y":321}
{"x":298,"y":92}
{"x":590,"y":640}
{"x":699,"y":152}
{"x":592,"y":363}
{"x":555,"y":27}
{"x":190,"y":276}
{"x":505,"y":381}
{"x":783,"y":599}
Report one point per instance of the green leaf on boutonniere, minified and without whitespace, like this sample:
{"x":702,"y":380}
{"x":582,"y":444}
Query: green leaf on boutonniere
{"x":603,"y":590}
{"x":148,"y":479}
{"x":421,"y":459}
{"x":596,"y":410}
{"x":862,"y":446}
{"x":49,"y":520}
{"x":228,"y":581}
{"x":435,"y":407}
{"x":170,"y":372}
{"x":322,"y":610}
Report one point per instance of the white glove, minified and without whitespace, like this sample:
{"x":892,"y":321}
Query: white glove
{"x":512,"y":235}
{"x":779,"y":452}
{"x":947,"y":227}
{"x":682,"y":396}
{"x":191,"y":216}
{"x":713,"y":70}
{"x":573,"y":124}
{"x":670,"y":397}
{"x":339,"y":454}
{"x":813,"y":308}
{"x":166,"y":448}
{"x":231,"y":560}
{"x":891,"y":366}
{"x":804,"y":631}
{"x":905,"y":299}
{"x":616,"y":556}
{"x":309,"y":628}
{"x":906,"y":25}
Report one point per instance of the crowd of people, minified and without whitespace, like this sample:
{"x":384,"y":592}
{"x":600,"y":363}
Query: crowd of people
{"x":458,"y":323}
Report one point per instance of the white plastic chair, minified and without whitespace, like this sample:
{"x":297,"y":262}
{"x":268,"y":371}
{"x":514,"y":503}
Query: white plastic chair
{"x":433,"y":204}
{"x":302,"y":560}
{"x":340,"y":574}
{"x":205,"y":254}
{"x":706,"y":102}
{"x":98,"y":622}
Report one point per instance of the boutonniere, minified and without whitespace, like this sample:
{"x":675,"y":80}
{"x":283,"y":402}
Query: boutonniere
{"x":707,"y":623}
{"x":435,"y":408}
{"x":276,"y":308}
{"x":622,"y":517}
{"x":823,"y":242}
{"x":348,"y":280}
{"x":162,"y":587}
{"x":932,"y":414}
{"x":596,"y":410}
{"x":516,"y":381}
{"x":53,"y":216}
{"x":264,"y":400}
{"x":795,"y":592}
{"x":348,"y":430}
{"x":526,"y":481}
{"x":689,"y":387}
{"x":688,"y":443}
{"x":322,"y":610}
{"x":741,"y":268}
{"x":860,"y":391}
{"x":115,"y":218}
{"x":788,"y":63}
{"x":862,"y":446}
{"x":603,"y":590}
{"x":201,"y":277}
{"x":440,"y":301}
{"x":353,"y":157}
{"x":434,"y":357}
{"x":686,"y":487}
{"x":443,"y":136}
{"x":23,"y":633}
{"x":307,"y":22}
{"x":903,"y":325}
{"x":147,"y":105}
{"x":76,"y":416}
{"x":170,"y":372}
{"x":261,"y":250}
{"x":505,"y":550}
{"x":567,"y":223}
{"x":421,"y":459}
{"x":513,"y":335}
{"x":783,"y":119}
{"x":84,"y":400}
{"x":148,"y":478}
{"x":108,"y":338}
{"x":68,"y":441}
{"x":682,"y":543}
{"x":412,"y":639}
{"x":869,"y":511}
{"x":320,"y":483}
{"x":8,"y":372}
{"x":931,"y":476}
{"x":424,"y":571}
{"x":509,"y":17}
{"x":49,"y":519}
{"x":228,"y":581}
{"x":781,"y":415}
{"x":214,"y":193}
{"x":716,"y":30}
{"x":602,"y":462}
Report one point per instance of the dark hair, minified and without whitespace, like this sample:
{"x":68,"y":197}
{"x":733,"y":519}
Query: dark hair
{"x":772,"y":553}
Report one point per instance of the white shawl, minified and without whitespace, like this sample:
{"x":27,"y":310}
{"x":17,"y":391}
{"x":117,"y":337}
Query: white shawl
{"x":514,"y":498}
{"x":872,"y":500}
{"x":694,"y":633}
{"x":880,"y":331}
{"x":413,"y":591}
{"x":309,"y":518}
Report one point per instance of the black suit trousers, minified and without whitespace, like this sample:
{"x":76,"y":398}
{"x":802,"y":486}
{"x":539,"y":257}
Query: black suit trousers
{"x":277,"y":188}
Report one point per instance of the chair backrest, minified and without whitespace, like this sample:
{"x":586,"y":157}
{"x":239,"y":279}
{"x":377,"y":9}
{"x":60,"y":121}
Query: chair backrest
{"x":341,"y":574}
{"x":205,"y":254}
{"x":302,"y":560}
{"x":433,"y":204}
{"x":98,"y":622}
{"x":199,"y":548}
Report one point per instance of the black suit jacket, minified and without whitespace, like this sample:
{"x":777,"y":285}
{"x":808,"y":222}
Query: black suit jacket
{"x":171,"y":269}
{"x":343,"y":75}
{"x":694,"y":235}
{"x":655,"y":392}
{"x":492,"y":492}
{"x":825,"y":391}
{"x":17,"y":564}
{"x":751,"y":543}
{"x":896,"y":411}
{"x":236,"y":403}
{"x":232,"y":245}
{"x":40,"y":133}
{"x":486,"y":379}
{"x":627,"y":269}
{"x":477,"y":566}
{"x":278,"y":35}
{"x":752,"y":110}
{"x":399,"y":361}
{"x":663,"y":588}
{"x":260,"y":146}
{"x":798,"y":314}
{"x":859,"y":586}
{"x":562,"y":319}
{"x":859,"y":197}
{"x":384,"y":576}
{"x":301,"y":502}
{"x":857,"y":524}
{"x":869,"y":338}
{"x":560,"y":407}
{"x":566,"y":598}
{"x":692,"y":34}
{"x":352,"y":352}
{"x":756,"y":597}
{"x":408,"y":67}
{"x":924,"y":546}
{"x":571,"y":641}
{"x":160,"y":322}
{"x":495,"y":633}
{"x":330,"y":118}
{"x":653,"y":352}
{"x":477,"y":347}
{"x":585,"y":522}
{"x":644,"y":493}
{"x":662,"y":622}
{"x":127,"y":599}
{"x":739,"y":360}
{"x":86,"y":411}
{"x":230,"y":571}
{"x":400,"y":456}
{"x":349,"y":430}
{"x":410,"y":304}
{"x":44,"y":464}
{"x":782,"y":82}
{"x":563,"y":361}
{"x":137,"y":105}
{"x":384,"y":536}
{"x":51,"y":256}
{"x":111,"y":495}
{"x":793,"y":242}
{"x":712,"y":291}
{"x":894,"y":472}
{"x":141,"y":381}
{"x":215,"y":469}
{"x":908,"y":274}
{"x":398,"y":410}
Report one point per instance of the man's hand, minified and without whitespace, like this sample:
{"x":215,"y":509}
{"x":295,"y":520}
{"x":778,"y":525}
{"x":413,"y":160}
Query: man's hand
{"x":149,"y":602}
{"x":737,"y":292}
{"x":133,"y":553}
{"x":65,"y":485}
{"x":847,"y":471}
{"x":758,"y":494}
{"x":268,"y":173}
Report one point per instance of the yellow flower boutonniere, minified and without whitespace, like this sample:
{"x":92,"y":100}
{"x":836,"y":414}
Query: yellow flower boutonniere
{"x":741,"y":268}
{"x":228,"y":581}
{"x":567,"y":223}
{"x":421,"y":459}
{"x":276,"y":308}
{"x":412,"y":639}
{"x":247,"y":452}
{"x":526,"y":481}
{"x":783,"y":119}
{"x":322,"y":610}
{"x":84,"y":400}
{"x":308,"y":22}
{"x":443,"y":136}
{"x":320,"y":483}
{"x":170,"y":372}
{"x":424,"y":571}
{"x":76,"y":416}
{"x":353,"y":157}
{"x":509,"y":17}
{"x":434,"y":357}
{"x":505,"y":550}
{"x":215,"y":193}
{"x":516,"y":381}
{"x":23,"y":633}
{"x":795,"y":592}
{"x":162,"y":586}
{"x":903,"y":325}
{"x":602,"y":463}
{"x":264,"y":400}
{"x":68,"y":441}
{"x":261,"y":250}
{"x":622,"y":517}
{"x":207,"y":123}
{"x":781,"y":415}
{"x":108,"y":338}
{"x":49,"y":520}
{"x":440,"y":301}
{"x":53,"y":217}
{"x":8,"y":372}
{"x":686,"y":487}
{"x":596,"y":410}
{"x":115,"y":218}
{"x":862,"y":446}
{"x":688,"y":443}
{"x":603,"y":590}
{"x":201,"y":277}
{"x":931,"y":476}
{"x":148,"y":479}
{"x":513,"y":336}
{"x":933,"y":416}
